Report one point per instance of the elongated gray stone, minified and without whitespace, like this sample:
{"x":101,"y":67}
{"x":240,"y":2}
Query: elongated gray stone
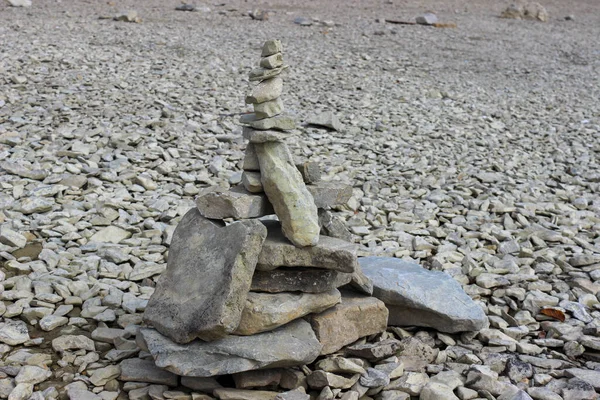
{"x":416,"y":296}
{"x":203,"y":291}
{"x":278,"y":123}
{"x":291,"y":345}
{"x":330,"y":194}
{"x":307,"y":280}
{"x":266,"y":311}
{"x":266,"y":90}
{"x":256,"y":136}
{"x":329,"y":253}
{"x":260,"y":74}
{"x":293,"y":203}
{"x":237,"y":203}
{"x":326,"y":119}
{"x":268,"y":109}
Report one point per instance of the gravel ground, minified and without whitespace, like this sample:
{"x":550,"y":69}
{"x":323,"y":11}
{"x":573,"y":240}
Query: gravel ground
{"x":472,"y":150}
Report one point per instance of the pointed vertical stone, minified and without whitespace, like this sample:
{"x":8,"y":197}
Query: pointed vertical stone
{"x":285,"y":188}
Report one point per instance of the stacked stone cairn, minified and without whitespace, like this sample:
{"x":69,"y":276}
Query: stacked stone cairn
{"x":260,"y":297}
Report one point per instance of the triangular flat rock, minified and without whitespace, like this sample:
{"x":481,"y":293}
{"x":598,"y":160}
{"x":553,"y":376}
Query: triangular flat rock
{"x":203,"y":291}
{"x":291,"y":345}
{"x":419,"y":297}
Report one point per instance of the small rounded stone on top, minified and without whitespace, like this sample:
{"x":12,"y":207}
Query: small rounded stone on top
{"x":271,"y":47}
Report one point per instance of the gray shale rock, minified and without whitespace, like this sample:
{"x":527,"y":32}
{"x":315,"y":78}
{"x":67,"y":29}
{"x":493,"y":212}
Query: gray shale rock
{"x":329,"y":253}
{"x":218,"y":203}
{"x":416,"y":296}
{"x":203,"y":291}
{"x":307,"y":280}
{"x":291,"y":345}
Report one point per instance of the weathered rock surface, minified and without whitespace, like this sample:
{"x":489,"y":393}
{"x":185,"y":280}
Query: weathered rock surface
{"x":355,"y":317}
{"x":218,"y":203}
{"x":267,"y":90}
{"x":257,"y":136}
{"x":267,"y":311}
{"x":307,"y":280}
{"x":416,"y":296}
{"x":291,"y":345}
{"x":329,"y":253}
{"x":330,"y":194}
{"x":202,"y":293}
{"x":283,"y":184}
{"x":138,"y":370}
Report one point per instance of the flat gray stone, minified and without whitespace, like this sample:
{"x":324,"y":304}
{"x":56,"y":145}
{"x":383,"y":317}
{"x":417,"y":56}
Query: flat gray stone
{"x":260,"y":74}
{"x":285,"y":189}
{"x":268,"y":109}
{"x":272,"y":61}
{"x":237,"y":203}
{"x":416,"y":296}
{"x":138,"y":370}
{"x":330,"y":194}
{"x":266,"y":311}
{"x":256,"y":136}
{"x":278,"y":123}
{"x":327,"y":120}
{"x":307,"y":280}
{"x":590,"y":376}
{"x":209,"y":271}
{"x":291,"y":345}
{"x":329,"y":253}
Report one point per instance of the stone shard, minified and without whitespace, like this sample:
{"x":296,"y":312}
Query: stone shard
{"x":266,"y":311}
{"x":330,"y":194}
{"x":291,"y":345}
{"x":202,"y":293}
{"x":307,"y":280}
{"x":355,"y":317}
{"x":329,"y":253}
{"x":293,"y":203}
{"x":334,"y":226}
{"x":266,"y":90}
{"x":268,"y":109}
{"x":218,"y":203}
{"x":416,"y":296}
{"x":255,"y":136}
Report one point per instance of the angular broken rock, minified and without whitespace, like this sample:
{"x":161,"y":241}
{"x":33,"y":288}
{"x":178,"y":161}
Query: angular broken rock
{"x":311,"y":172}
{"x":327,"y":120}
{"x":250,"y":162}
{"x":271,"y":47}
{"x":329,"y":253}
{"x":293,"y":203}
{"x":291,"y":345}
{"x":267,"y":90}
{"x":251,"y":181}
{"x":307,"y":280}
{"x":330,"y":194}
{"x":138,"y":370}
{"x":278,"y":123}
{"x":203,"y":291}
{"x":218,"y":203}
{"x":416,"y":296}
{"x":355,"y":317}
{"x":332,"y":225}
{"x":266,"y":311}
{"x":268,"y":109}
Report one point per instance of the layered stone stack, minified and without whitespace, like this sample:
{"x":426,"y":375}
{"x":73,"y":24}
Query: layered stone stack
{"x":241,"y":293}
{"x":263,"y":277}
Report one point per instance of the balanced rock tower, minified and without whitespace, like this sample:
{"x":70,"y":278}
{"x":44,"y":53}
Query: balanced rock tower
{"x":263,"y":277}
{"x":244,"y":290}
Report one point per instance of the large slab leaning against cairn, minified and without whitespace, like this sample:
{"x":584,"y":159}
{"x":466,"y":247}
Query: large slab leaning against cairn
{"x":329,"y":253}
{"x":203,"y":291}
{"x":291,"y":345}
{"x":416,"y":296}
{"x":285,"y":189}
